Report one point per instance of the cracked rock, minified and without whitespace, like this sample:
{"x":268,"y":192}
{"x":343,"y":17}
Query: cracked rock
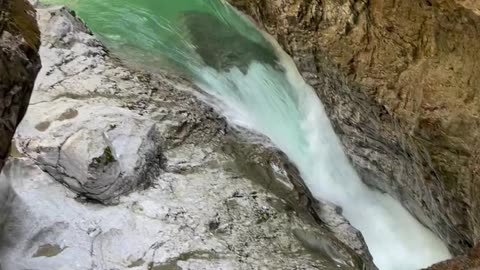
{"x":98,"y":151}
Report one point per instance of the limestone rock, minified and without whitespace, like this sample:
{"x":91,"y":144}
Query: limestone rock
{"x":101,"y":152}
{"x":208,"y":219}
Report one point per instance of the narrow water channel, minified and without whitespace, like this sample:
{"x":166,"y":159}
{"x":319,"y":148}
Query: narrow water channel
{"x":255,"y":85}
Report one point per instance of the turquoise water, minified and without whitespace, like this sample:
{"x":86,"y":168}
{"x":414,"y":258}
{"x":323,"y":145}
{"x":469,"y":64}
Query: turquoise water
{"x":131,"y":28}
{"x":254,"y":84}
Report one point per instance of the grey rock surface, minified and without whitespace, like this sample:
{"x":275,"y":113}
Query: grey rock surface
{"x":99,"y":151}
{"x":178,"y":189}
{"x":6,"y":196}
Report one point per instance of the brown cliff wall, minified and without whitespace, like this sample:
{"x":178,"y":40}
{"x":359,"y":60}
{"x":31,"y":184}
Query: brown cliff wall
{"x":412,"y":61}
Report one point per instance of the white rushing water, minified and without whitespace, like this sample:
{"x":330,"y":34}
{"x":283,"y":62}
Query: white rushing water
{"x":284,"y":108}
{"x":273,"y":101}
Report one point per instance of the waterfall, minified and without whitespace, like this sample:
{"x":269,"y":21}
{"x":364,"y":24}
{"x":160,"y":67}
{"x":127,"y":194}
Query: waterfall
{"x":247,"y":77}
{"x":280,"y":105}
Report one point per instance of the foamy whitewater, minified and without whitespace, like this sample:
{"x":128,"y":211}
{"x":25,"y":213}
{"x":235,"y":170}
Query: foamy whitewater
{"x":285,"y":109}
{"x":274,"y":102}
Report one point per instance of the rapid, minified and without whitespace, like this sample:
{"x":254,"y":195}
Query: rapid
{"x":250,"y":80}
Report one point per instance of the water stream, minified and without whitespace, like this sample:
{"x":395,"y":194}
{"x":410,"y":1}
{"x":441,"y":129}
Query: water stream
{"x":255,"y":85}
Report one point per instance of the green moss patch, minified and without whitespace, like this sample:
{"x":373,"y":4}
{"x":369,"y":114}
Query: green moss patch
{"x":106,"y":158}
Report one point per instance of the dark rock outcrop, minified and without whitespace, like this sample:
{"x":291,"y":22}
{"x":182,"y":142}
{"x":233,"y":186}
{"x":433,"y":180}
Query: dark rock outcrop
{"x":19,"y":64}
{"x":404,"y":100}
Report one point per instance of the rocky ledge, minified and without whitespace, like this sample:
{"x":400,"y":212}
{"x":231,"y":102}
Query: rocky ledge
{"x":119,"y":169}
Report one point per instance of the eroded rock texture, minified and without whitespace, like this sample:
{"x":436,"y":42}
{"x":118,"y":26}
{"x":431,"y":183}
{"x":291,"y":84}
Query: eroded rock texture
{"x":415,"y":61}
{"x":19,"y":64}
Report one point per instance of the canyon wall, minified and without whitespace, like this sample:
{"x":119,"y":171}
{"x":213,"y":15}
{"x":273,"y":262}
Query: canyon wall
{"x":400,"y":81}
{"x":19,"y":64}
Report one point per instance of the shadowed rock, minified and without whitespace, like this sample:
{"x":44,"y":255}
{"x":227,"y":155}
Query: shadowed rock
{"x":19,"y":64}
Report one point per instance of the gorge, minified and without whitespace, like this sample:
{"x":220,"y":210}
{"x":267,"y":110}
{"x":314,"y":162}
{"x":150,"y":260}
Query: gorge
{"x":256,"y":86}
{"x":247,"y":77}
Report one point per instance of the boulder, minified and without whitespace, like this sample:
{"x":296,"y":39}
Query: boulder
{"x":98,"y":151}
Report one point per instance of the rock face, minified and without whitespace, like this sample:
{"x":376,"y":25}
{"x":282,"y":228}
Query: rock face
{"x":470,"y":261}
{"x":178,"y":189}
{"x":19,"y":64}
{"x":470,"y":4}
{"x":411,"y":61}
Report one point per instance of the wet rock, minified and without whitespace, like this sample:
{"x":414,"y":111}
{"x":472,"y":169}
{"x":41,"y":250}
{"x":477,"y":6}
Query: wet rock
{"x":273,"y":171}
{"x":469,"y":261}
{"x":331,"y":215}
{"x":322,"y":245}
